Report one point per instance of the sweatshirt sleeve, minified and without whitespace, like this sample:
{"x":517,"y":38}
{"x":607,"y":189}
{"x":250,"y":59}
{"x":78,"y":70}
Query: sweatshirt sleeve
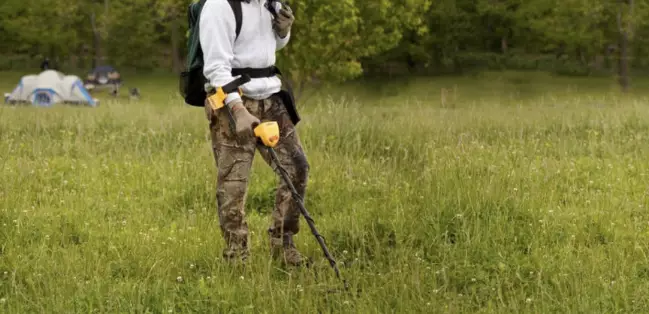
{"x":217,"y":34}
{"x":281,"y":42}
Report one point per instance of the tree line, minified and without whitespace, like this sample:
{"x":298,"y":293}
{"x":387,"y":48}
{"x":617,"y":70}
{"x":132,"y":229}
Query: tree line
{"x":344,"y":39}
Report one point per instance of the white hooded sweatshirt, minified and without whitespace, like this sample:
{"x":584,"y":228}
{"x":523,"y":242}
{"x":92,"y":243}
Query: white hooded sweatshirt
{"x":254,"y":48}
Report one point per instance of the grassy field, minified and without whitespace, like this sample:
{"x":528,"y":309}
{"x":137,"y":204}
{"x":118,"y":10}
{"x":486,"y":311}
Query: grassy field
{"x":513,"y":193}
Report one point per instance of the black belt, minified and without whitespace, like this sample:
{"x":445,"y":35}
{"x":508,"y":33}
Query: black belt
{"x":257,"y":72}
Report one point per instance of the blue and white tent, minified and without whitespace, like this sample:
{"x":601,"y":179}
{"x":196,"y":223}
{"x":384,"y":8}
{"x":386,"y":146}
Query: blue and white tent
{"x":49,"y":88}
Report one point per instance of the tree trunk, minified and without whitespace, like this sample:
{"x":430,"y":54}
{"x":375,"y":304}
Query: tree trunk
{"x":560,"y":51}
{"x":175,"y":51}
{"x":623,"y":66}
{"x":98,"y":55}
{"x":581,"y":55}
{"x":503,"y":44}
{"x":96,"y":60}
{"x":598,"y":62}
{"x":412,"y":64}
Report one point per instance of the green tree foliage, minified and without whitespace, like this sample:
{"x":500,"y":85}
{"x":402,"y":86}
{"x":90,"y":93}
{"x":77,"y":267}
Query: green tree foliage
{"x":330,"y":39}
{"x":26,"y":26}
{"x":341,"y":40}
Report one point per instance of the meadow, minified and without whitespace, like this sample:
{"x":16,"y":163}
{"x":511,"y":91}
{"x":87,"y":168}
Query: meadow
{"x":491,"y":193}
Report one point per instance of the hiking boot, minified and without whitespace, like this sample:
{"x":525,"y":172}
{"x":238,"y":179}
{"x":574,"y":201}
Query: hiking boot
{"x":283,"y":248}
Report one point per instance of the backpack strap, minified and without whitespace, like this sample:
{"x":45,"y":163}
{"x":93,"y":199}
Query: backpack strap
{"x":238,"y":14}
{"x":273,"y":6}
{"x":194,"y":10}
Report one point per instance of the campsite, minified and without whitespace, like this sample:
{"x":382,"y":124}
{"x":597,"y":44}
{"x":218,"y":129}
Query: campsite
{"x":49,"y":88}
{"x":463,"y":157}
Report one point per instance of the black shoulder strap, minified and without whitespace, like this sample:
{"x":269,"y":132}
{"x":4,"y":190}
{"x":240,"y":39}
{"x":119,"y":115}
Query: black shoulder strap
{"x":238,"y":15}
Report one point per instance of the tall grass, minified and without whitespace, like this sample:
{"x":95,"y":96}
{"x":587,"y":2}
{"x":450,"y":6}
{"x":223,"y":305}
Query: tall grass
{"x":504,"y":202}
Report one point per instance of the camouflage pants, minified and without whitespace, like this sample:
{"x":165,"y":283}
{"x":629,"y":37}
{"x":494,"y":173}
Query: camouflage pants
{"x":234,"y":158}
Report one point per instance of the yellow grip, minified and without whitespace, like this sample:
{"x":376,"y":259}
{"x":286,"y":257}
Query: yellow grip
{"x":217,"y":100}
{"x":268,"y":132}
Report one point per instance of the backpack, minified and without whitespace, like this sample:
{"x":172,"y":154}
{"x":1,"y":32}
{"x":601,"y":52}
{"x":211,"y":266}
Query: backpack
{"x":192,"y":80}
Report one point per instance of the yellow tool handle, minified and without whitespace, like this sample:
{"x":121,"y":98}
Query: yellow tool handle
{"x":268,"y":133}
{"x":217,"y":101}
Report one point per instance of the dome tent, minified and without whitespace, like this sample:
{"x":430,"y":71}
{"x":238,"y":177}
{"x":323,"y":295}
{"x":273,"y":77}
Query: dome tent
{"x":48,"y":88}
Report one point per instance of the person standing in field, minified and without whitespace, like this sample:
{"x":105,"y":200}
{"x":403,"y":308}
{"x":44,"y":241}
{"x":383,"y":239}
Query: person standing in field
{"x":232,"y":47}
{"x":45,"y":65}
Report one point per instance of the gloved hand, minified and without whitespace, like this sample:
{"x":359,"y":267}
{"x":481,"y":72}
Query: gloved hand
{"x":283,"y":22}
{"x":243,"y":120}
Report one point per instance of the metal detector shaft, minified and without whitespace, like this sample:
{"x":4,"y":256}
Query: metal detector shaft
{"x":309,"y":220}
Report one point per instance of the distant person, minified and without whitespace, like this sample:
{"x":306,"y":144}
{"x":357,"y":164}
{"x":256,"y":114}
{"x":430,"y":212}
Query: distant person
{"x":134,"y":93}
{"x":252,"y":52}
{"x":114,"y":90}
{"x":45,"y":65}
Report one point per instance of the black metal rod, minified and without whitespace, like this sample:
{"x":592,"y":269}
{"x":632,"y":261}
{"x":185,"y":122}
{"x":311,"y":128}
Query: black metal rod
{"x":298,"y":200}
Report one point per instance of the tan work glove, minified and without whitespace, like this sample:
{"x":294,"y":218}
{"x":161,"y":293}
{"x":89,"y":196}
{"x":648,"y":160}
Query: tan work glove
{"x":283,"y":21}
{"x":243,"y":120}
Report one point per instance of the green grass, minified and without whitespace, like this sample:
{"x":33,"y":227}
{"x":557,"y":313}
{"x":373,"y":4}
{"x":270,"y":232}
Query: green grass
{"x":520,"y":193}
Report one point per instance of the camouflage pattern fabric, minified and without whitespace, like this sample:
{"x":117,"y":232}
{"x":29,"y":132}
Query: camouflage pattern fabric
{"x":234,"y":156}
